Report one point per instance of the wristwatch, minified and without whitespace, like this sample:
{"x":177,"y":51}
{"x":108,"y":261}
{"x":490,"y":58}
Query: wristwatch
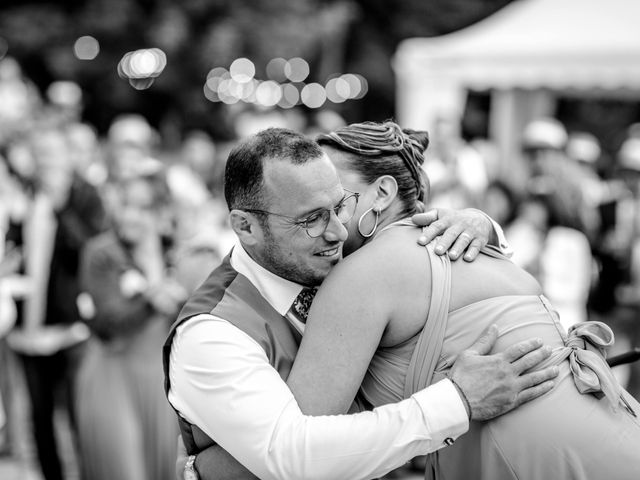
{"x":190,"y":472}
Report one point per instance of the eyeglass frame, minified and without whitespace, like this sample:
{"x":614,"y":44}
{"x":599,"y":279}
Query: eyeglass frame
{"x":298,"y":222}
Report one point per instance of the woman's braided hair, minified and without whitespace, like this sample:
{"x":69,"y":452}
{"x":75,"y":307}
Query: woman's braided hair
{"x":375,"y":146}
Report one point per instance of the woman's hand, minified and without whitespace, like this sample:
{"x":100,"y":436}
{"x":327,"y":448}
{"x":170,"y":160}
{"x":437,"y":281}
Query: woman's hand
{"x":457,"y":231}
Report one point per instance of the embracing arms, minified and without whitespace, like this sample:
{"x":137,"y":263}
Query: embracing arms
{"x":215,"y":463}
{"x":222,"y":381}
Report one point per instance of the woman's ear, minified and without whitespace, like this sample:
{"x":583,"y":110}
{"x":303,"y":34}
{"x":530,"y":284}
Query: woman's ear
{"x":387,"y":190}
{"x":246,"y":227}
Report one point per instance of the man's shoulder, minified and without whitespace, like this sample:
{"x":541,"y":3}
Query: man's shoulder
{"x":211,"y":291}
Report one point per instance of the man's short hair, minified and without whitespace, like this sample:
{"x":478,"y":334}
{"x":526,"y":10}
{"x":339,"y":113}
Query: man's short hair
{"x":244,"y":171}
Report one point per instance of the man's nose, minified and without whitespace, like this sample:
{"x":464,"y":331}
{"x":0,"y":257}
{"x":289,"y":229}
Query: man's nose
{"x":335,"y":231}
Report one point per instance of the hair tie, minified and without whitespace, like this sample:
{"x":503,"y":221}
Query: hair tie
{"x":373,"y":139}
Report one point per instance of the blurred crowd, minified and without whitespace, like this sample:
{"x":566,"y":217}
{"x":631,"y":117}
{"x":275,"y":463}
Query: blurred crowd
{"x":572,"y":219}
{"x":103,"y":236}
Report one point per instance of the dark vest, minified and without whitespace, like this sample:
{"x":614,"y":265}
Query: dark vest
{"x":229,"y":295}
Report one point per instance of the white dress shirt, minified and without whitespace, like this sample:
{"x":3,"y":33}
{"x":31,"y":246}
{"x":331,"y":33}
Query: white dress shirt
{"x":221,"y":380}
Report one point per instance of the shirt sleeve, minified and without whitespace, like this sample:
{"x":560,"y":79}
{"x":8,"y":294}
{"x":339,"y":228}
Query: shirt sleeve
{"x":222,"y":381}
{"x":502,"y":245}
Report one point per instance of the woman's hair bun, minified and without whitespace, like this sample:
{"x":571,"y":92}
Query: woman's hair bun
{"x":419,"y":136}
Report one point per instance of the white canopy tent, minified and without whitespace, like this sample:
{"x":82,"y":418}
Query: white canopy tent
{"x":525,"y":54}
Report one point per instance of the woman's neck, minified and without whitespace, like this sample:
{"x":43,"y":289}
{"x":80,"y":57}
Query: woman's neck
{"x":389,"y":215}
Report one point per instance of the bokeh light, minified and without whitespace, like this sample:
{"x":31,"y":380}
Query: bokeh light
{"x":242,"y":70}
{"x":141,"y":83}
{"x":142,"y":64}
{"x":213,"y":83}
{"x":86,"y":48}
{"x":64,"y":93}
{"x":268,"y":93}
{"x":275,"y":69}
{"x":313,"y":95}
{"x":248,"y":91}
{"x":290,"y":96}
{"x":364,"y":86}
{"x":210,"y":94}
{"x":239,"y":83}
{"x":355,"y":85}
{"x":338,"y":90}
{"x":296,"y":69}
{"x":218,"y":72}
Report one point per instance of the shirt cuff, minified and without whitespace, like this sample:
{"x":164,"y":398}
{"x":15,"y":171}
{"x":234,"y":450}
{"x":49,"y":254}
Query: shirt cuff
{"x":444,"y":412}
{"x":503,"y":246}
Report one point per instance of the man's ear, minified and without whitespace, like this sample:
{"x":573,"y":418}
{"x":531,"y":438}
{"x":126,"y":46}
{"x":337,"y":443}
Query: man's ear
{"x":246,"y":227}
{"x":386,"y":191}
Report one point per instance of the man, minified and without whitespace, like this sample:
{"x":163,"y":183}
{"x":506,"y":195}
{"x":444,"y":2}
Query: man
{"x":235,"y":340}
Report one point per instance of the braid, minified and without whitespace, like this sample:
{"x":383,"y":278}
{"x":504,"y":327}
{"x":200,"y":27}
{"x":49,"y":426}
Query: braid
{"x":379,"y":139}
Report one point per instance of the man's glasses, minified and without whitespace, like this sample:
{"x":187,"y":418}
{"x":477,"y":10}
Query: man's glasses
{"x":316,"y":223}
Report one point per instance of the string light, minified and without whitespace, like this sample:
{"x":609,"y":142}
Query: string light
{"x":86,"y":48}
{"x":285,"y":87}
{"x":313,"y":95}
{"x":242,"y":70}
{"x":296,"y":69}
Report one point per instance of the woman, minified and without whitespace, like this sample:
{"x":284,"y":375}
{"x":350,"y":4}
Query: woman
{"x":126,"y":428}
{"x":372,"y":325}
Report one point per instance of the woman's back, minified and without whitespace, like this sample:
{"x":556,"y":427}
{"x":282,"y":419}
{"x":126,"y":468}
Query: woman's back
{"x":564,"y":434}
{"x":490,"y":275}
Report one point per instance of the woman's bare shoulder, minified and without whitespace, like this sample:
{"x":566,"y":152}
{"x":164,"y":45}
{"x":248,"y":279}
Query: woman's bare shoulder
{"x":392,"y":256}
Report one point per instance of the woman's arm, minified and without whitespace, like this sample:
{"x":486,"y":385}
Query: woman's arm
{"x":349,"y":317}
{"x":102,"y":269}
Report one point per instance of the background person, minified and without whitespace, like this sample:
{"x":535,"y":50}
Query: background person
{"x":126,"y":429}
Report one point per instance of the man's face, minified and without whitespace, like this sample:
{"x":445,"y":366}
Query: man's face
{"x":298,"y":191}
{"x":352,"y":181}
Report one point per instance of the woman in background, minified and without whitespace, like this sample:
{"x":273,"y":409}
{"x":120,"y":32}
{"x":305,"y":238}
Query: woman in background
{"x":126,"y":428}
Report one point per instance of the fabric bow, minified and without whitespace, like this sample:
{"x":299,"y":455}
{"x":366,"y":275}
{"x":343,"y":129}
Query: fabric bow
{"x":586,"y":347}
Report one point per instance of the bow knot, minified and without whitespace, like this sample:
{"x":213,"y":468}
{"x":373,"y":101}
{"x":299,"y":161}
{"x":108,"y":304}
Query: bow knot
{"x":587,"y":344}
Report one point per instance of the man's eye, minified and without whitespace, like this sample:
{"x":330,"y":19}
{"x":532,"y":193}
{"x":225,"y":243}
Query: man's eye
{"x":312,"y":219}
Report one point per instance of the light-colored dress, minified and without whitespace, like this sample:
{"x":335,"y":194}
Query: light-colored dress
{"x":564,"y":434}
{"x":126,"y":428}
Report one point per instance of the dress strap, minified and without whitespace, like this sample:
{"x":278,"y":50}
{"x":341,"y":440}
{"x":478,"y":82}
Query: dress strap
{"x":429,"y":345}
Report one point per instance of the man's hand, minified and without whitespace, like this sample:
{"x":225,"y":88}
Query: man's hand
{"x":458,"y":230}
{"x":214,"y":463}
{"x":496,"y":384}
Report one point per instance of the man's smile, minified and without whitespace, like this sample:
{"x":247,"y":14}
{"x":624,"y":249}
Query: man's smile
{"x":329,"y":253}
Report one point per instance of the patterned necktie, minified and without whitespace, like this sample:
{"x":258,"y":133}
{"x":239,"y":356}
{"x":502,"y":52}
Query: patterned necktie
{"x":302,"y":303}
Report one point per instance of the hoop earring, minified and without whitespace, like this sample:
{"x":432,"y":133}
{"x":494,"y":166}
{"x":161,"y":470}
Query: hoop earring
{"x":375,"y":226}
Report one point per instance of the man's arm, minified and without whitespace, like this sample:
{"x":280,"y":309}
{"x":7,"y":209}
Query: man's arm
{"x":222,"y":381}
{"x":214,"y":463}
{"x":482,"y":399}
{"x":467,"y":230}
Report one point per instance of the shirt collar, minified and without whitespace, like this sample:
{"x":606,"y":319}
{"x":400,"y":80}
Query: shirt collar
{"x":279,"y":292}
